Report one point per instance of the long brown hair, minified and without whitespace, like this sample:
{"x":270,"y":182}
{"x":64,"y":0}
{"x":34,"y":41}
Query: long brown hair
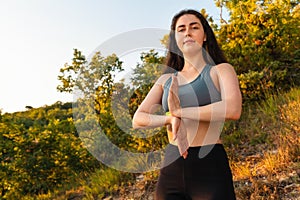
{"x":212,"y":53}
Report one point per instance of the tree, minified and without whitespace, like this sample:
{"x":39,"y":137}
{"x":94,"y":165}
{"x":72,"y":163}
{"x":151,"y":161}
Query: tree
{"x":69,"y":72}
{"x":261,"y":40}
{"x":100,"y":93}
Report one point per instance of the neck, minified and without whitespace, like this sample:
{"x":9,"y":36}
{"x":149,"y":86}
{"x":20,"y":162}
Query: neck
{"x":193,"y":62}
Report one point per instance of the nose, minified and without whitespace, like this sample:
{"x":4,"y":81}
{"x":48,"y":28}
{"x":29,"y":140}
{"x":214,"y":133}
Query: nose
{"x":187,"y":32}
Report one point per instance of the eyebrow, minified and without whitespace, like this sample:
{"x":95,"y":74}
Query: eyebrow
{"x":191,"y":24}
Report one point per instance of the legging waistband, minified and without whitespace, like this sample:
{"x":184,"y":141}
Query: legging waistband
{"x":195,"y":152}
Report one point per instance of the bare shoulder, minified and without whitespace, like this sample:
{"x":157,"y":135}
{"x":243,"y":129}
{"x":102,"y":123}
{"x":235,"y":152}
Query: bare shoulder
{"x":163,"y":78}
{"x":223,"y":68}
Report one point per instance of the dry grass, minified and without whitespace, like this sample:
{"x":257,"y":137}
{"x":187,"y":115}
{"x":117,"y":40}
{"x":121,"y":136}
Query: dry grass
{"x":271,"y":169}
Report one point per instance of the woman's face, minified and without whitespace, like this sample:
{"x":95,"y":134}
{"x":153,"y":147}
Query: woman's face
{"x":189,"y":33}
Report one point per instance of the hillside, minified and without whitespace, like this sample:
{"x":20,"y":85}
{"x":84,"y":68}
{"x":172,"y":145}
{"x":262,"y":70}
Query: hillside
{"x":43,"y":158}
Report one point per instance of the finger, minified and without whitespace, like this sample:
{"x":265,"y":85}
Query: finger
{"x":174,"y":85}
{"x":185,"y":154}
{"x":174,"y":131}
{"x":173,"y":100}
{"x":183,"y":144}
{"x":169,"y":128}
{"x":174,"y":136}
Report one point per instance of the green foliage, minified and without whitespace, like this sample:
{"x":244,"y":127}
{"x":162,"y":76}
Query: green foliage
{"x":95,"y":81}
{"x":69,"y":72}
{"x":144,"y":76}
{"x":254,"y":84}
{"x":261,"y":41}
{"x":261,"y":121}
{"x":40,"y":151}
{"x":149,"y":70}
{"x":105,"y":182}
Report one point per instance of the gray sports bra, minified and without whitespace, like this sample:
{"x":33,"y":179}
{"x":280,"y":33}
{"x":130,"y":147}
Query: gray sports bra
{"x":201,"y":91}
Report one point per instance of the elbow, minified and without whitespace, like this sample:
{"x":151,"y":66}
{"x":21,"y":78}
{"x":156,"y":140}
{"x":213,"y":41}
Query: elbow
{"x":135,"y":124}
{"x":235,"y":116}
{"x":234,"y":108}
{"x":234,"y":113}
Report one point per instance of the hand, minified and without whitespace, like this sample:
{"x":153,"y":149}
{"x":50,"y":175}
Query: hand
{"x":173,"y":127}
{"x":182,"y":141}
{"x":178,"y":130}
{"x":173,"y":99}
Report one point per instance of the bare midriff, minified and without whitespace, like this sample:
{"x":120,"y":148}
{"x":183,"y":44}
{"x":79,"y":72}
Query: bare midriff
{"x":200,"y":133}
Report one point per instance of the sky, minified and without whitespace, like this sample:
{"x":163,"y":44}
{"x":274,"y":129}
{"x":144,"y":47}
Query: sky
{"x":37,"y":38}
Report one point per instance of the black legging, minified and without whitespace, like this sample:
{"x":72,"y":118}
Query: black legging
{"x":207,"y":178}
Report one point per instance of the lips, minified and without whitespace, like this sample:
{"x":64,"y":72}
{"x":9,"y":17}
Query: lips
{"x":188,"y":41}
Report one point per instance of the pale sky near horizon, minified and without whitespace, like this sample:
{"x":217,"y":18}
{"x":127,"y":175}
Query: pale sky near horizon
{"x":38,"y":38}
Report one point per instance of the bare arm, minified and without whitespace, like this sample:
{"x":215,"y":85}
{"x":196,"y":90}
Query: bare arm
{"x":144,"y":117}
{"x":230,"y":106}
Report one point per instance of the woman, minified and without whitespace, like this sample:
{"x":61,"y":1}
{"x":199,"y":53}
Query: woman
{"x":198,"y":98}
